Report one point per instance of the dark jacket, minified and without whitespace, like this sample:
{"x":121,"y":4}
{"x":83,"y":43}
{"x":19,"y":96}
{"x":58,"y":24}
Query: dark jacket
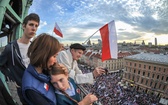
{"x":5,"y":96}
{"x":11,"y":62}
{"x":64,"y":100}
{"x":39,"y":83}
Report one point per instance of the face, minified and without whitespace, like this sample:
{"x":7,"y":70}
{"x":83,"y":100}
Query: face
{"x":76,"y":54}
{"x":60,"y":81}
{"x":52,"y":60}
{"x":30,"y":28}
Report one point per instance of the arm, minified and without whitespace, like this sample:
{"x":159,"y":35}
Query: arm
{"x":36,"y":98}
{"x":4,"y":56}
{"x":5,"y":60}
{"x":6,"y":98}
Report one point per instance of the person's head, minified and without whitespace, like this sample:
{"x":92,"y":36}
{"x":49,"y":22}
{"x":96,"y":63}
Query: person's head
{"x":77,"y":50}
{"x":59,"y":77}
{"x":30,"y":25}
{"x":62,"y":46}
{"x":43,"y":51}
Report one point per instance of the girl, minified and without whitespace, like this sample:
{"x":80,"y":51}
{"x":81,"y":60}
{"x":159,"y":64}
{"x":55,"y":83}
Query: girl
{"x":66,"y":89}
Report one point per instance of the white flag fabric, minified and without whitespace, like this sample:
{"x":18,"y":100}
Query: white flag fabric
{"x":109,"y":41}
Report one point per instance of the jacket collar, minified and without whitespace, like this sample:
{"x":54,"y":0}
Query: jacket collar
{"x":31,"y":69}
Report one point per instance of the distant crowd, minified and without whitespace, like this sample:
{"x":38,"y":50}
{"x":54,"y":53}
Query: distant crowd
{"x":109,"y":92}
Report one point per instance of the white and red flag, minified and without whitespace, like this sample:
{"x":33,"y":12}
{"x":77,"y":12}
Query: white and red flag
{"x":109,"y":41}
{"x":46,"y":86}
{"x":57,"y":30}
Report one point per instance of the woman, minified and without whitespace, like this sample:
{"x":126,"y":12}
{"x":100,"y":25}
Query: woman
{"x":66,"y":89}
{"x":36,"y":86}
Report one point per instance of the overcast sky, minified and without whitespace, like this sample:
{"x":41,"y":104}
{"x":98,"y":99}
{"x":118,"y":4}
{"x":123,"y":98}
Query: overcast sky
{"x":135,"y":20}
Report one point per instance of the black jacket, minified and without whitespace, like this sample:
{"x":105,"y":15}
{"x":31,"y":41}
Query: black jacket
{"x":11,"y":63}
{"x":5,"y":96}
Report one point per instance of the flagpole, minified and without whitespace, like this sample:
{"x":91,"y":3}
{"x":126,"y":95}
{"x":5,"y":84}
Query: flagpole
{"x":90,"y":36}
{"x":52,"y":31}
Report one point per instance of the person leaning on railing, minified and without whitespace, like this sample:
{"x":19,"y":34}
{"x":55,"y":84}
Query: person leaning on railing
{"x":69,"y":58}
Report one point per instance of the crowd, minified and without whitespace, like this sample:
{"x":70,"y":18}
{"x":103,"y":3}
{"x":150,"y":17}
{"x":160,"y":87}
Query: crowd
{"x":109,"y":92}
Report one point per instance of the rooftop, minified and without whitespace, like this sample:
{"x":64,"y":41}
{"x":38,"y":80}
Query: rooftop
{"x":150,"y":57}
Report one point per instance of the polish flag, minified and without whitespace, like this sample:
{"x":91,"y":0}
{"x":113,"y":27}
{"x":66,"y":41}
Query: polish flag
{"x":57,"y":30}
{"x":109,"y":41}
{"x":46,"y":86}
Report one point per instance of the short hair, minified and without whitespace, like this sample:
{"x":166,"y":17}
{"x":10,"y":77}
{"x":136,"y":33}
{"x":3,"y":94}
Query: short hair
{"x":77,"y":46}
{"x":41,"y":49}
{"x":31,"y":16}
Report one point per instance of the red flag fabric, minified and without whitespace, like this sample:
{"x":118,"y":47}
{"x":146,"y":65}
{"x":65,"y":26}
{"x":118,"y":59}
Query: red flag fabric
{"x":109,"y":41}
{"x":57,"y":30}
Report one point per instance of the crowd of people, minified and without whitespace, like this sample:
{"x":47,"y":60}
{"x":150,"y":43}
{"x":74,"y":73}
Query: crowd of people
{"x":109,"y":92}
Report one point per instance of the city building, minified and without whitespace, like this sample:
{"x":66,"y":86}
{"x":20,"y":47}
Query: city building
{"x":147,"y":72}
{"x":155,"y":41}
{"x":93,"y":58}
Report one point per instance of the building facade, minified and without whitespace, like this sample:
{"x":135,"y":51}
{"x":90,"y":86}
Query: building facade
{"x":93,"y":58}
{"x":148,"y":73}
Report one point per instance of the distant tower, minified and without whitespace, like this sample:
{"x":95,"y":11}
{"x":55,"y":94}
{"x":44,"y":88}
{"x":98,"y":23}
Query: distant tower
{"x":99,"y":42}
{"x":143,"y":43}
{"x":155,"y":41}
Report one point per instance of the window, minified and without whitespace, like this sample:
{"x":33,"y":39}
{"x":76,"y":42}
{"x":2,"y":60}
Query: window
{"x":139,"y":72}
{"x":130,"y":64}
{"x":151,"y":83}
{"x":153,"y":75}
{"x":128,"y":76}
{"x":137,"y":79}
{"x":154,"y":68}
{"x":162,"y":77}
{"x":149,"y":67}
{"x":144,"y":66}
{"x":155,"y":85}
{"x":159,"y":86}
{"x":134,"y":70}
{"x":159,"y":69}
{"x":164,"y":87}
{"x":133,"y":78}
{"x":164,"y":70}
{"x":167,"y":79}
{"x":143,"y":73}
{"x":142,"y":81}
{"x":139,"y":65}
{"x":146,"y":82}
{"x":135,"y":65}
{"x":148,"y":74}
{"x":157,"y":76}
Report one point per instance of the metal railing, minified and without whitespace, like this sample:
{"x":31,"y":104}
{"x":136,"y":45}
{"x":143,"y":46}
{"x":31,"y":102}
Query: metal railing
{"x":84,"y":92}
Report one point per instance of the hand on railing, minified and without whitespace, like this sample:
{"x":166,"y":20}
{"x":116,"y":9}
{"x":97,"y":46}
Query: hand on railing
{"x":88,"y":99}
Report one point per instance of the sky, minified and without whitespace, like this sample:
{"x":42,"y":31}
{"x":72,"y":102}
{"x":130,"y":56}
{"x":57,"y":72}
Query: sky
{"x":135,"y":20}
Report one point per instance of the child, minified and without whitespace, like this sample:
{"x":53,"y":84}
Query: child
{"x":66,"y":89}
